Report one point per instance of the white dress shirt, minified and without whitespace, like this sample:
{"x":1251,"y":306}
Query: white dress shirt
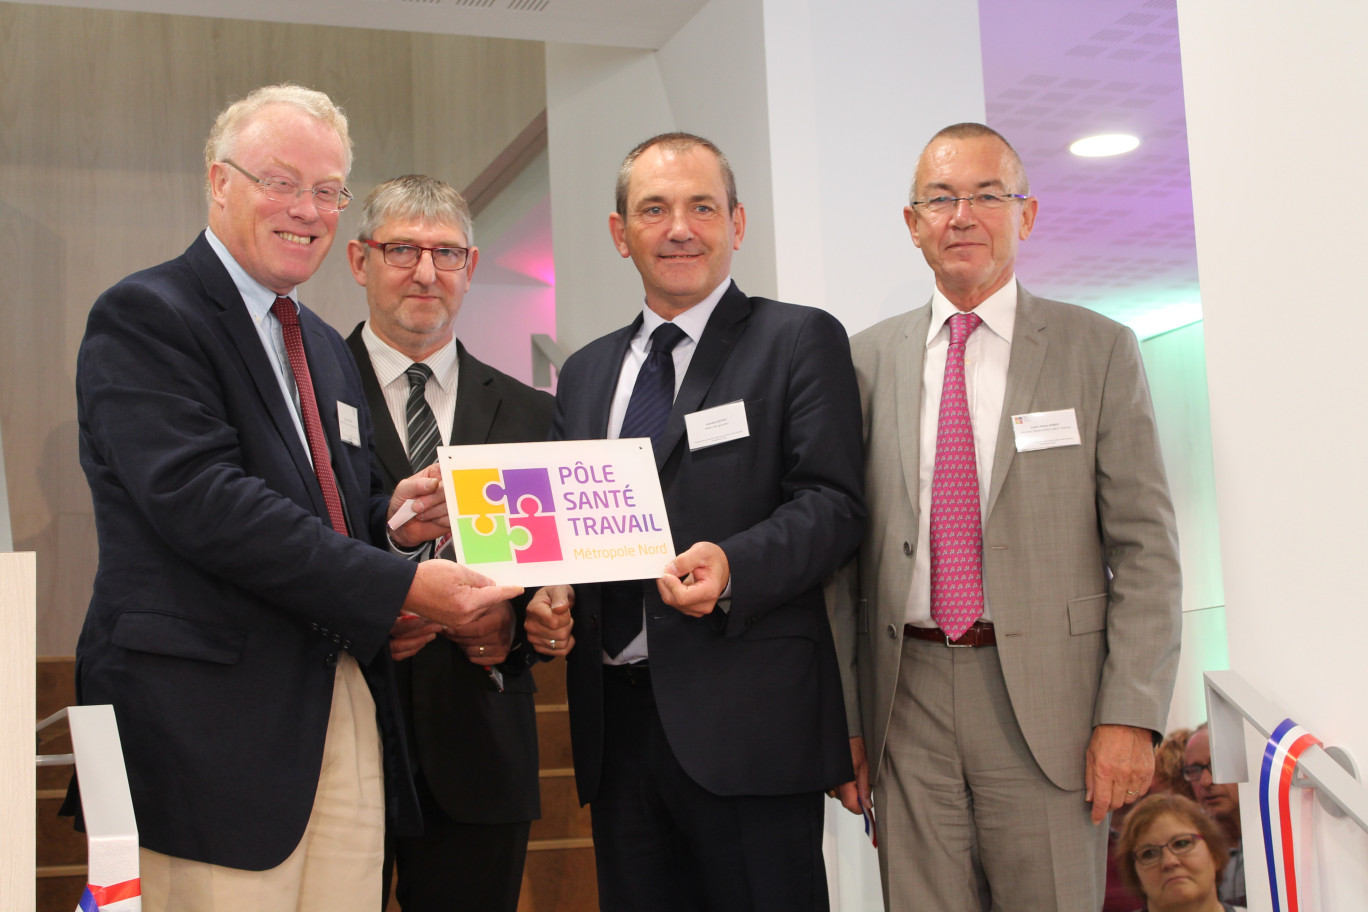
{"x":390,"y":365}
{"x":692,"y":322}
{"x":259,"y":300}
{"x":986,"y":355}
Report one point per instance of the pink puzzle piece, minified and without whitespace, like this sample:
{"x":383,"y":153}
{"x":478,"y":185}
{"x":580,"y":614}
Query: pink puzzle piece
{"x":545,"y":544}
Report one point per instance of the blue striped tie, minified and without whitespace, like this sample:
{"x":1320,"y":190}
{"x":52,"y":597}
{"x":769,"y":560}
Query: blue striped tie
{"x":653,"y":395}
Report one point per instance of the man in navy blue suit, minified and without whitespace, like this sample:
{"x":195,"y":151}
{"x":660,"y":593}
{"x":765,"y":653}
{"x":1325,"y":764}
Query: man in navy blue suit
{"x":241,"y":612}
{"x":705,"y":707}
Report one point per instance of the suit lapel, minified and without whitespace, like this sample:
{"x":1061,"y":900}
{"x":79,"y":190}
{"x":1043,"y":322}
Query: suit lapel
{"x":1029,"y":344}
{"x":388,"y":447}
{"x":909,"y":364}
{"x":600,"y":385}
{"x":219,"y":287}
{"x":725,"y":326}
{"x":477,"y":401}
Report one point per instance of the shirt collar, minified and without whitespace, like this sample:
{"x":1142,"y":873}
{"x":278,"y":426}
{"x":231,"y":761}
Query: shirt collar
{"x":258,"y":298}
{"x":998,"y":312}
{"x":390,"y":363}
{"x":693,"y":321}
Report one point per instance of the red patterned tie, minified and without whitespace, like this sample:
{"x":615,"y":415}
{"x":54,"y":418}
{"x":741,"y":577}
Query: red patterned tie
{"x":284,"y":310}
{"x":956,"y":526}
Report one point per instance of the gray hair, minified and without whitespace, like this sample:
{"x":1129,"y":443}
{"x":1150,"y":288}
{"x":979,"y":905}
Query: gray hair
{"x":231,"y":120}
{"x":416,"y":198}
{"x":677,"y":143}
{"x":970,"y":130}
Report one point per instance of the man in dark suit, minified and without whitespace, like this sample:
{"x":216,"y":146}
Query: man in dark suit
{"x":703,"y":739}
{"x":474,"y":740}
{"x":241,"y":614}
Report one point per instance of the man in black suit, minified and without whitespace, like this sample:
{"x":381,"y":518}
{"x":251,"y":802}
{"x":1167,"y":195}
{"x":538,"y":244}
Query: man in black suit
{"x":704,"y":739}
{"x":474,"y":740}
{"x":241,"y":614}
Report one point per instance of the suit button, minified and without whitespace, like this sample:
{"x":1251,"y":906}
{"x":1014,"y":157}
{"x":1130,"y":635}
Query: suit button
{"x":907,"y":548}
{"x":330,"y":661}
{"x":314,"y":626}
{"x":892,"y":632}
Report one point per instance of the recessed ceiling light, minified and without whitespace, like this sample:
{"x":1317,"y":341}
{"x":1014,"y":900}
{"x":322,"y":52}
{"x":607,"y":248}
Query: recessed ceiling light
{"x":1104,"y":145}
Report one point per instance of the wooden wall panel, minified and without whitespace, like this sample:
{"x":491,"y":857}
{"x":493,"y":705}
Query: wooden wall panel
{"x":103,"y":117}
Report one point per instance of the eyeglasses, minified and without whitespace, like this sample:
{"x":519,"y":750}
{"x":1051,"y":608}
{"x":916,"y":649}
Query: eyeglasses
{"x":406,"y":256}
{"x":1148,"y":855}
{"x":1193,"y":771}
{"x":944,"y":205}
{"x":283,"y":190}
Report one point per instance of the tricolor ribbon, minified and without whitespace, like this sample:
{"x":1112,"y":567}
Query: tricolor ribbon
{"x":1285,"y":747}
{"x":870,"y":825}
{"x":95,"y":898}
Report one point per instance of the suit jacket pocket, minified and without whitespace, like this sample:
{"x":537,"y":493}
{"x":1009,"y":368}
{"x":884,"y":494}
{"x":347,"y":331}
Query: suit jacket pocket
{"x":1088,"y":614}
{"x":172,"y":635}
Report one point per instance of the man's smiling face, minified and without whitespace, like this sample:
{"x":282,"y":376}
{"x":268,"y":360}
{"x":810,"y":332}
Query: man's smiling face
{"x":280,"y":244}
{"x":678,"y":229}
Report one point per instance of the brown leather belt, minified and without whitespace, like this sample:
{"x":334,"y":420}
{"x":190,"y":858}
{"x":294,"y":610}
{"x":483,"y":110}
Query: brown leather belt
{"x":981,"y":634}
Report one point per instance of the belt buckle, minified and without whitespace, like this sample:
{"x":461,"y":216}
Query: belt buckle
{"x":953,"y":645}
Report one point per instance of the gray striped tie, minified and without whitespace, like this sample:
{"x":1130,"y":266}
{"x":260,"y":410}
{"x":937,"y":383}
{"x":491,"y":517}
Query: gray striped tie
{"x":422,"y":425}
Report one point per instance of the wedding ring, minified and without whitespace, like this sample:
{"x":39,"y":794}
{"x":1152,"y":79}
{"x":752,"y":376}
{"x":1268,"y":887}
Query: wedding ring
{"x":1129,"y":792}
{"x":482,"y":653}
{"x":553,"y":644}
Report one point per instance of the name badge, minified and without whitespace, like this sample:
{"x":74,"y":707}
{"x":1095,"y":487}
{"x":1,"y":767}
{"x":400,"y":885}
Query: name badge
{"x":348,"y":427}
{"x":709,"y":427}
{"x":1044,"y":430}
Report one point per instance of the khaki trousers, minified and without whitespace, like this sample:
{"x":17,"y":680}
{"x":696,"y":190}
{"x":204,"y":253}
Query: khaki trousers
{"x":336,"y":866}
{"x":967,"y":820}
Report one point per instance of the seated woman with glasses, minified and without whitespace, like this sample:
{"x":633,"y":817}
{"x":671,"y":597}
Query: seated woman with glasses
{"x":1172,"y":854}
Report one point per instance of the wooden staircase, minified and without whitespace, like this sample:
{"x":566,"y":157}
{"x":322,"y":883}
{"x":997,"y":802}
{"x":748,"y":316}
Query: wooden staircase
{"x":559,"y":876}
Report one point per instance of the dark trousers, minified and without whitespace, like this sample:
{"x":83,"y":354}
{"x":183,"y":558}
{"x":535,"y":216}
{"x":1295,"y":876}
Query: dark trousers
{"x":453,"y":865}
{"x":664,"y":843}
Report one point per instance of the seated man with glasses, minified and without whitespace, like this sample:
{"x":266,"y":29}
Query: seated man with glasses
{"x":1221,"y":802}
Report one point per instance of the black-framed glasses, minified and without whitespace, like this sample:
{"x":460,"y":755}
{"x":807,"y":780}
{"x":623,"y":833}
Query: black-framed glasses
{"x":1148,"y":855}
{"x":284,"y":190}
{"x":406,"y":256}
{"x":944,"y":205}
{"x":1193,"y":771}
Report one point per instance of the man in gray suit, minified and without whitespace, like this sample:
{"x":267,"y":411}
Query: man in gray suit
{"x":1019,"y":509}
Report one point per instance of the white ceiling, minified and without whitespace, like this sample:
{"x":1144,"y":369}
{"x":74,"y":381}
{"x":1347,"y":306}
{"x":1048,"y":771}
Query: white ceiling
{"x":620,"y":23}
{"x":1113,"y":234}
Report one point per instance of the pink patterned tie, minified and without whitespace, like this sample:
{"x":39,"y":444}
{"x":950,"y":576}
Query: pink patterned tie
{"x":956,"y":527}
{"x":284,"y":310}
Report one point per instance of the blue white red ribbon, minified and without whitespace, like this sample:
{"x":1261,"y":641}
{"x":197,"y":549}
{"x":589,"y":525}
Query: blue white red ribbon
{"x":96,"y":898}
{"x":1285,"y":746}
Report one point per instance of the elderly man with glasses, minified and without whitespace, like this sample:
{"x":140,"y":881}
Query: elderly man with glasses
{"x":1011,"y":623}
{"x":241,"y":613}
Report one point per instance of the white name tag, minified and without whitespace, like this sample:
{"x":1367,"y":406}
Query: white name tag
{"x":348,"y":427}
{"x":1043,"y":430}
{"x":709,"y":427}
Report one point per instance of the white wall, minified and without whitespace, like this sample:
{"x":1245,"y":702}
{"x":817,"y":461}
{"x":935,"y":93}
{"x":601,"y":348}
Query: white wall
{"x":1275,"y":95}
{"x":857,"y":88}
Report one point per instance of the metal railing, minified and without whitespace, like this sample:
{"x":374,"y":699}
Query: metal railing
{"x":106,"y":804}
{"x":1331,"y":770}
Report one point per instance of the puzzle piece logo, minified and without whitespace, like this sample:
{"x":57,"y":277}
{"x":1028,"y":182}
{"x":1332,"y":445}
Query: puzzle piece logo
{"x":505,"y":515}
